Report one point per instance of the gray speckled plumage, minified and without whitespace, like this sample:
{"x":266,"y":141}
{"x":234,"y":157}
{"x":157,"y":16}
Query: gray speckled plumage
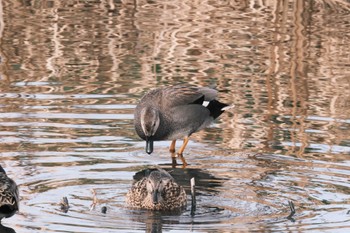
{"x":175,"y":112}
{"x":157,"y":190}
{"x":9,"y":198}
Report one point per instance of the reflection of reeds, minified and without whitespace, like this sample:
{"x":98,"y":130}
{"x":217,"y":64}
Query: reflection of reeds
{"x":266,"y":56}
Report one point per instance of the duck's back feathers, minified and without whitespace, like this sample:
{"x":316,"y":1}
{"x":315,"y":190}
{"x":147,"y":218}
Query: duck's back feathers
{"x":184,"y":95}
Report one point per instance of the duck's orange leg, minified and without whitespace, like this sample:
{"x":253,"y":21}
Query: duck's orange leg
{"x":173,"y":155}
{"x":181,"y":150}
{"x":172,"y":146}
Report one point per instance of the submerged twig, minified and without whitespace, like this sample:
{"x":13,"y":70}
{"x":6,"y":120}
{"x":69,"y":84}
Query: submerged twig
{"x":64,"y":205}
{"x":94,"y":200}
{"x":193,"y":195}
{"x":104,"y":209}
{"x":292,"y":211}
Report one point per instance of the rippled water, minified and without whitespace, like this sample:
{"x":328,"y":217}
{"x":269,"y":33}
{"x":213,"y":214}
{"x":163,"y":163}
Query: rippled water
{"x":71,"y":73}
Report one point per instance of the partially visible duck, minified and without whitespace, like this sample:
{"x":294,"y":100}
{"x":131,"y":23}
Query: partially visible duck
{"x":9,"y":198}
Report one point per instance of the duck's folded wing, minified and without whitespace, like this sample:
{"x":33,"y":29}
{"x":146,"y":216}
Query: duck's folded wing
{"x":183,"y":95}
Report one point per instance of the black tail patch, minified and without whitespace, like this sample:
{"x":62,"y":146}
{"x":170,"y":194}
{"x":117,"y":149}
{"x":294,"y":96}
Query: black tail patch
{"x":199,"y":101}
{"x":215,"y":107}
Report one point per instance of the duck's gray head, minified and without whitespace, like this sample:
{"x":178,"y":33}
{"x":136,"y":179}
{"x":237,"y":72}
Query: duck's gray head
{"x":149,"y":123}
{"x":156,"y":183}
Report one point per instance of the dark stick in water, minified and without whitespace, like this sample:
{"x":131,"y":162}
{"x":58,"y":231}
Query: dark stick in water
{"x":64,"y":204}
{"x":292,"y":211}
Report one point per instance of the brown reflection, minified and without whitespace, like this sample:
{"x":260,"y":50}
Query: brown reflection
{"x":279,"y":62}
{"x":72,"y":44}
{"x":299,"y":88}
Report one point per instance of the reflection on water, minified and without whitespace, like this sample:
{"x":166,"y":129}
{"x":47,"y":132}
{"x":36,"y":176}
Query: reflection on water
{"x":71,"y":73}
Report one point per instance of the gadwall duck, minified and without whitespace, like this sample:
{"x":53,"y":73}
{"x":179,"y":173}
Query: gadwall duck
{"x":9,"y":199}
{"x":176,"y":112}
{"x":157,"y":190}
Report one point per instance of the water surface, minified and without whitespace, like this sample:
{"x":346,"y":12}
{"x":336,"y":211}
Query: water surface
{"x":71,"y":73}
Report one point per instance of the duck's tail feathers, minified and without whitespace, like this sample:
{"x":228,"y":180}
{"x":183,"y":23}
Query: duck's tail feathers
{"x":228,"y":107}
{"x":216,"y":108}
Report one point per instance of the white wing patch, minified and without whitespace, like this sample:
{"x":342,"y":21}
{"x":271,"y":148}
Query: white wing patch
{"x":205,"y":103}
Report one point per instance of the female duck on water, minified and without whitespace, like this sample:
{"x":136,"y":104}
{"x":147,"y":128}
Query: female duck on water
{"x":157,"y":190}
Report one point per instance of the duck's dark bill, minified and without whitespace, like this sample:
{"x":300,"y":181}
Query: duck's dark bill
{"x":155,"y":197}
{"x":149,"y":146}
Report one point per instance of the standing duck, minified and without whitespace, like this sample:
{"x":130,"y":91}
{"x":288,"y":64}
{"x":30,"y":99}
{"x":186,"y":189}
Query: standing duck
{"x":176,"y":112}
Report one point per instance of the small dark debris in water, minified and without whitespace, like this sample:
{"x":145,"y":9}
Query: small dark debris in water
{"x":292,"y":211}
{"x":64,"y":205}
{"x":348,"y":212}
{"x":324,"y":201}
{"x":104,"y":209}
{"x":193,"y":195}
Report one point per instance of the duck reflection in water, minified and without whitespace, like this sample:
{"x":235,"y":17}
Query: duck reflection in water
{"x":176,"y":112}
{"x":9,"y":198}
{"x":157,"y":190}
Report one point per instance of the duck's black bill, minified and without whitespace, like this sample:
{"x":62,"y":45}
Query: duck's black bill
{"x":155,"y":197}
{"x":149,"y":145}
